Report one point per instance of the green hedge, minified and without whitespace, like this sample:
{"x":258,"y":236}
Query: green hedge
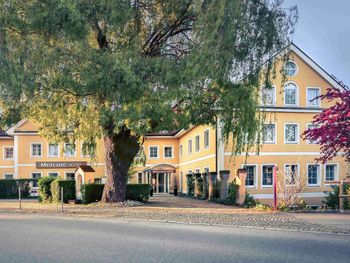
{"x":9,"y":188}
{"x":190,"y":185}
{"x":138,"y":192}
{"x":91,"y":193}
{"x":68,"y":190}
{"x":45,"y":194}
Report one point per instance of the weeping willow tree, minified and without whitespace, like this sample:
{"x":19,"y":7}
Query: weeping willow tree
{"x":118,"y":69}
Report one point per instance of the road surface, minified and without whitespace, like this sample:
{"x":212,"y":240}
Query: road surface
{"x":38,"y":238}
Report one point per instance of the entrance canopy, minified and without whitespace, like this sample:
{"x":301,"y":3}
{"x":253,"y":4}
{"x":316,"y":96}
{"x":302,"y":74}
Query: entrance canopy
{"x":160,"y":168}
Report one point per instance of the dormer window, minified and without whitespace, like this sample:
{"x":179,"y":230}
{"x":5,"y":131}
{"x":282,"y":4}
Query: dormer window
{"x":290,"y":68}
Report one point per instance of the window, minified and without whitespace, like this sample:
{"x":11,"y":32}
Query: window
{"x":291,"y":133}
{"x":53,"y":150}
{"x":52,"y":174}
{"x":291,"y":172}
{"x":269,"y":133}
{"x":8,"y":176}
{"x":181,"y":150}
{"x":313,"y":171}
{"x":88,"y":149}
{"x":8,"y":153}
{"x":197,"y":171}
{"x":69,"y":149}
{"x":310,"y":126}
{"x":98,"y":181}
{"x":36,"y":149}
{"x":206,"y":169}
{"x":331,"y":172}
{"x":206,"y":139}
{"x":168,"y":152}
{"x":36,"y":177}
{"x":268,"y":96}
{"x":153,"y":152}
{"x":251,"y":172}
{"x":189,"y":146}
{"x":139,"y":178}
{"x":197,"y":143}
{"x":290,"y":69}
{"x":290,"y":94}
{"x":70,"y":176}
{"x":189,"y":171}
{"x":313,"y":93}
{"x":267,"y":175}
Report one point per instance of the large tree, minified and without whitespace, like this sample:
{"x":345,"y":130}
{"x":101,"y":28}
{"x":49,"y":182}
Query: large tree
{"x":331,"y":128}
{"x":118,"y":69}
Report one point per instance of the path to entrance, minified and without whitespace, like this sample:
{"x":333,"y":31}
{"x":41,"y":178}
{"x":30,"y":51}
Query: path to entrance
{"x":171,"y":201}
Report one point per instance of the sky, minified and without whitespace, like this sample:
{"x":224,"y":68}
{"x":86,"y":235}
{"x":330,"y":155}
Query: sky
{"x":323,"y":32}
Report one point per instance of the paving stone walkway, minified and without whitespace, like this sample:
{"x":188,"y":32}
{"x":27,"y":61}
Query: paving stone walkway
{"x":188,"y":211}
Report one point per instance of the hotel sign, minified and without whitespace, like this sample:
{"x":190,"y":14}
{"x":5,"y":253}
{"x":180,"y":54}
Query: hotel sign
{"x":48,"y":165}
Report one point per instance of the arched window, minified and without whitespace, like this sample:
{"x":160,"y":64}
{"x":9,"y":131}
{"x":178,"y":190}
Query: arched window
{"x":290,"y":68}
{"x":290,"y":94}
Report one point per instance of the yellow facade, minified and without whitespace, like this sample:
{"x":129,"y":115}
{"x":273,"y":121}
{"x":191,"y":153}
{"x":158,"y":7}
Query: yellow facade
{"x":170,"y":156}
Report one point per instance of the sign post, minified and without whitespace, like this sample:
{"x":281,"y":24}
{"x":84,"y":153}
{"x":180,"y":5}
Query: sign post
{"x":19,"y":198}
{"x":61,"y":199}
{"x":275,"y":188}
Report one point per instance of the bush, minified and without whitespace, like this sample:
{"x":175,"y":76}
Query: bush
{"x":190,"y":185}
{"x":91,"y":193}
{"x":45,"y":189}
{"x":232,"y":192}
{"x":249,"y":201}
{"x":9,"y":188}
{"x":138,"y":192}
{"x":68,"y":190}
{"x":332,"y":198}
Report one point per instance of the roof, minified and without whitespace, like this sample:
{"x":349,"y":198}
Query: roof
{"x":163,"y":133}
{"x":3,"y":134}
{"x":86,"y":168}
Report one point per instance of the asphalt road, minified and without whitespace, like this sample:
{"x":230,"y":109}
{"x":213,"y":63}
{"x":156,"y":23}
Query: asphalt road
{"x":35,"y":238}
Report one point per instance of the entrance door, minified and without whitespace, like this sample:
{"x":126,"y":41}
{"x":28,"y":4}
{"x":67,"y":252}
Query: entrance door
{"x":161,"y":183}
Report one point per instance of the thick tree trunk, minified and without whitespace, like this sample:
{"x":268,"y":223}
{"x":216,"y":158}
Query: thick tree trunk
{"x":121,"y":150}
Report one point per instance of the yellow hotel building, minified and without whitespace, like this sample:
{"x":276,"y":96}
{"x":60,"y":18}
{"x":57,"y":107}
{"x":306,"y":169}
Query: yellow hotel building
{"x":170,"y":156}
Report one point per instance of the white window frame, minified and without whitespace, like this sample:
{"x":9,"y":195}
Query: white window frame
{"x":190,"y":171}
{"x":336,"y":177}
{"x":206,"y":167}
{"x":68,"y":172}
{"x":206,"y":146}
{"x":35,"y":172}
{"x":296,"y":94}
{"x":81,"y":151}
{"x":56,"y":172}
{"x":308,"y":141}
{"x":255,"y":176}
{"x":149,"y":151}
{"x":307,"y":98}
{"x":75,"y":150}
{"x":48,"y":150}
{"x":4,"y":153}
{"x":181,"y":150}
{"x":297,"y":137}
{"x":296,"y":68}
{"x":275,"y":137}
{"x":274,"y":96}
{"x":4,"y":175}
{"x":197,"y":169}
{"x":285,"y":172}
{"x":31,"y":149}
{"x":190,"y":149}
{"x":195,"y":143}
{"x":172,"y":151}
{"x":318,"y":175}
{"x":262,"y":174}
